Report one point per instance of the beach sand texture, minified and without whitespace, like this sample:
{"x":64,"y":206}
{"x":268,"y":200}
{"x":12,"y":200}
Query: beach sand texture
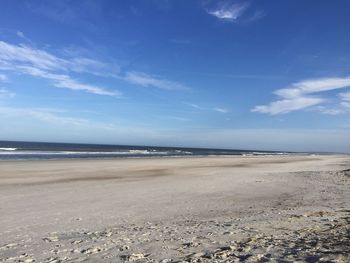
{"x":205,"y":209}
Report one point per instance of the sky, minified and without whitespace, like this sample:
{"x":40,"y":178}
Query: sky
{"x":237,"y":74}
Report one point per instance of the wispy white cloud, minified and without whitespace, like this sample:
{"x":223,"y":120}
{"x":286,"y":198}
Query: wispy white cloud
{"x":193,"y":105}
{"x":302,"y":95}
{"x":65,"y":81}
{"x":257,"y":15}
{"x":287,"y":105}
{"x":26,"y":59}
{"x":235,"y":11}
{"x":26,"y":55}
{"x":20,"y":34}
{"x":229,"y":11}
{"x":146,"y":80}
{"x":39,"y":63}
{"x":61,"y":119}
{"x":216,"y":109}
{"x":3,"y":77}
{"x":313,"y":86}
{"x":55,"y":119}
{"x":43,"y":114}
{"x":221,"y":110}
{"x":340,"y":109}
{"x":345,"y":104}
{"x":4,"y":93}
{"x":176,"y":118}
{"x":30,"y":56}
{"x":345,"y":96}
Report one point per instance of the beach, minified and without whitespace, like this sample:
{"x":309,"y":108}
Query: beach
{"x":185,"y":209}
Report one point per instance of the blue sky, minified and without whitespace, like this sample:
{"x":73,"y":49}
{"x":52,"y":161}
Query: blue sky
{"x":271,"y":75}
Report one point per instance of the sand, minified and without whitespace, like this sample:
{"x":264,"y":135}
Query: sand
{"x":210,"y":209}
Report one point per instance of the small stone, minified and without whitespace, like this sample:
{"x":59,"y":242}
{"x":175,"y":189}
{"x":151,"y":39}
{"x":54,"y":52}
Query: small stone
{"x":50,"y":239}
{"x":123,"y":248}
{"x":136,"y":256}
{"x":10,"y":245}
{"x":29,"y":260}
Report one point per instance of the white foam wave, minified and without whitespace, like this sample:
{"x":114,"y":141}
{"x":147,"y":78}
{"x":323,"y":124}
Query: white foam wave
{"x":131,"y":152}
{"x":269,"y":153}
{"x":8,"y":149}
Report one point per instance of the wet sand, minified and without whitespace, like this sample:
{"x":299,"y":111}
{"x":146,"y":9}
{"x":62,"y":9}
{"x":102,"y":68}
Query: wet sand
{"x":212,"y":209}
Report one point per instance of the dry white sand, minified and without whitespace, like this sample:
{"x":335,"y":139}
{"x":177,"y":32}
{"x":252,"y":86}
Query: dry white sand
{"x":213,"y":209}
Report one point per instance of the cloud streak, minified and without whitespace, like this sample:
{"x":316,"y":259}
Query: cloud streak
{"x":43,"y":114}
{"x":302,"y":95}
{"x":40,"y":63}
{"x":3,"y":77}
{"x":30,"y":56}
{"x":4,"y":93}
{"x":20,"y":34}
{"x":221,"y":110}
{"x":216,"y":109}
{"x":65,"y":81}
{"x":193,"y":105}
{"x":146,"y":80}
{"x":229,"y":11}
{"x":345,"y":96}
{"x":235,"y":12}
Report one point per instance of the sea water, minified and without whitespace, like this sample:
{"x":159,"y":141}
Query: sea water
{"x":15,"y":150}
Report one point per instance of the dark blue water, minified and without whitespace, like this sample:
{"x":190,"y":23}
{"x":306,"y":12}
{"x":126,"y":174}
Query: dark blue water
{"x":12,"y":150}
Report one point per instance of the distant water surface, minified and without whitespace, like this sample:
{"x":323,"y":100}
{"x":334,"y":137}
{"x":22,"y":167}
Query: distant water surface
{"x":14,"y":150}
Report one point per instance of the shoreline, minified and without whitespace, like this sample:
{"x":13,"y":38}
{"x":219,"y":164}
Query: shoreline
{"x":174,"y":157}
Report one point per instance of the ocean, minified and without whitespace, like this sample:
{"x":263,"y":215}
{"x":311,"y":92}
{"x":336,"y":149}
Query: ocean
{"x":15,"y":150}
